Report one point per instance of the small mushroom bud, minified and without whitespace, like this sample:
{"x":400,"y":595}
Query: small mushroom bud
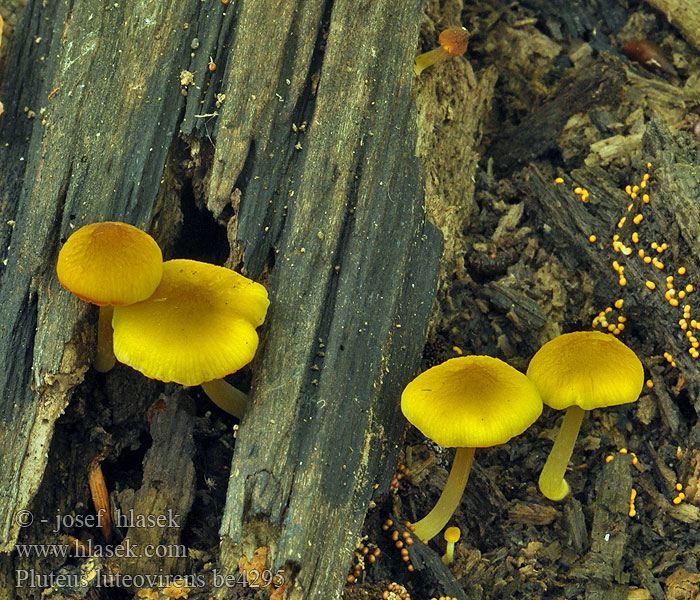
{"x":453,"y":42}
{"x":451,"y":537}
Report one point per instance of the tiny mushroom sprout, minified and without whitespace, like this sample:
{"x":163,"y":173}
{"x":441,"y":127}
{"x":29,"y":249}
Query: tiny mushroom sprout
{"x":109,"y":264}
{"x":451,"y":537}
{"x":580,"y":371}
{"x":467,"y":402}
{"x":197,"y":327}
{"x":453,"y":42}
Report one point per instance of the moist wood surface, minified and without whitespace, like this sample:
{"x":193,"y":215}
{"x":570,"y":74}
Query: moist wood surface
{"x":351,"y":258}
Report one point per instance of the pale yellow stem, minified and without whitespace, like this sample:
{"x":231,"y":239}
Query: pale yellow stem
{"x":226,"y":397}
{"x":104,"y":358}
{"x":423,"y":61}
{"x":449,"y":555}
{"x":430,"y":525}
{"x":552,"y":483}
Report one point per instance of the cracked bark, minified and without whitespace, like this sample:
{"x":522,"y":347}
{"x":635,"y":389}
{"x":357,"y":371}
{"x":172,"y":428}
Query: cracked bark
{"x":314,"y":176}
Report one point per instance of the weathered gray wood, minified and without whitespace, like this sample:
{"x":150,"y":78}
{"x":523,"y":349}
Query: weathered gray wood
{"x":328,"y":214}
{"x":105,"y":108}
{"x":352,"y":272}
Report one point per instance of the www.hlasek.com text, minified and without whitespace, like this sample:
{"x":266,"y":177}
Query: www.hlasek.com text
{"x":89,"y":549}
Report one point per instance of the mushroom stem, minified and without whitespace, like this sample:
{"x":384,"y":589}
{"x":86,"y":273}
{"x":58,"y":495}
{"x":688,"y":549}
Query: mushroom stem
{"x":449,"y":556}
{"x":226,"y":397}
{"x":104,"y":359}
{"x":552,"y":483}
{"x":425,"y":60}
{"x":430,"y":525}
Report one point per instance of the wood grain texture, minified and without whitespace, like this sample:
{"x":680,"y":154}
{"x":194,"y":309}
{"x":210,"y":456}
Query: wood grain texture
{"x":607,"y":578}
{"x":340,"y":220}
{"x":104,"y":108}
{"x":314,"y":176}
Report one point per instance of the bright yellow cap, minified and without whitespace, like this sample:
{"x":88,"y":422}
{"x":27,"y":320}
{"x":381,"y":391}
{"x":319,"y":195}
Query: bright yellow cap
{"x":471,"y":401}
{"x":198,"y":325}
{"x":452,"y":534}
{"x":110,"y":263}
{"x":589,"y":369}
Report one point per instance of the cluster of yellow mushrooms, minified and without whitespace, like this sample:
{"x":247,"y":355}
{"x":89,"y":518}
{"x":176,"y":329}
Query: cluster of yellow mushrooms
{"x":478,"y":401}
{"x":194,"y":323}
{"x":180,"y":320}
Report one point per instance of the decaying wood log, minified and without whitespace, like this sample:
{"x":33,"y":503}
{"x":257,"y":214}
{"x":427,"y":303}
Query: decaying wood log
{"x":672,"y":216}
{"x":102,"y":111}
{"x":602,"y":567}
{"x":308,"y":107}
{"x":354,"y":273}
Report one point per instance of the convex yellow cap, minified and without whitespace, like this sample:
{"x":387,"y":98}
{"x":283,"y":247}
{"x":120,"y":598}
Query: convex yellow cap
{"x":589,"y":369}
{"x":199,"y":324}
{"x":471,"y":401}
{"x":110,"y":263}
{"x":452,"y":534}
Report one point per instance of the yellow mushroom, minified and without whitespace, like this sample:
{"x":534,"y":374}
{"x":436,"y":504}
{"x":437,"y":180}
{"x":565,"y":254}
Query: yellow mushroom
{"x":109,"y":264}
{"x":467,"y":402}
{"x":451,"y":537}
{"x":197,"y":327}
{"x":580,"y":371}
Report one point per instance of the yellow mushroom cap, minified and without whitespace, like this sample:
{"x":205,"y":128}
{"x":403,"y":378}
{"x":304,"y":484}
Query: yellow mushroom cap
{"x":589,"y":369}
{"x":110,"y":263}
{"x":452,"y":534}
{"x":471,"y":401}
{"x":198,"y":325}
